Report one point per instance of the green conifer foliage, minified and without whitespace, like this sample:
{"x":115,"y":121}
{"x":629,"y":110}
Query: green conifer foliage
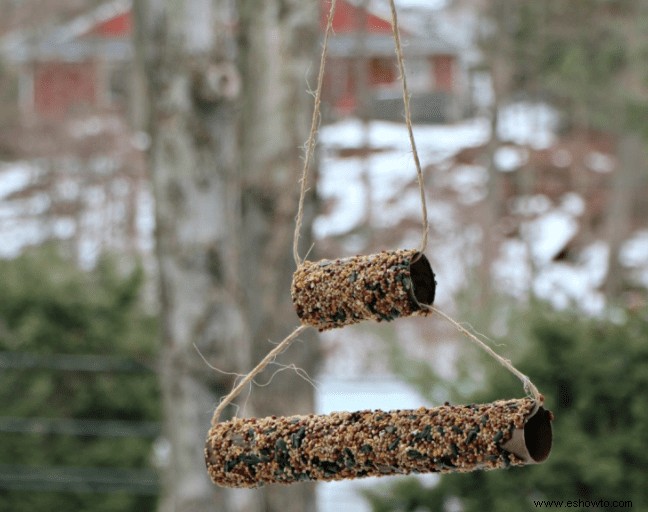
{"x":79,"y":399}
{"x":594,"y":375}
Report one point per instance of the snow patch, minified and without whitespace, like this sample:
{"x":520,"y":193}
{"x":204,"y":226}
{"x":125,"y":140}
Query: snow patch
{"x":564,"y":285}
{"x":469,"y":182}
{"x":512,"y":270}
{"x":530,"y":205}
{"x":634,"y":252}
{"x":348,"y":184}
{"x":548,"y":235}
{"x":510,"y":158}
{"x":16,"y":235}
{"x":14,"y":177}
{"x":526,"y":123}
{"x":600,"y":162}
{"x":572,"y":204}
{"x":340,"y":184}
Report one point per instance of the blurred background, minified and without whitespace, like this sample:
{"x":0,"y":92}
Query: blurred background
{"x":149,"y":158}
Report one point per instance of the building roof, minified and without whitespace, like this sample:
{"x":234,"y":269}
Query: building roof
{"x":103,"y":31}
{"x":359,"y":32}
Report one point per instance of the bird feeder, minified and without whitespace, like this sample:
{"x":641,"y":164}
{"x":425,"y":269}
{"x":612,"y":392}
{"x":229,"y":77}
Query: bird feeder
{"x":253,"y":452}
{"x":384,"y":286}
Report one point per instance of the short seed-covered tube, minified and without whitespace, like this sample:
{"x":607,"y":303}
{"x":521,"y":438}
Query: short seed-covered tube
{"x":256,"y":451}
{"x":383,"y":286}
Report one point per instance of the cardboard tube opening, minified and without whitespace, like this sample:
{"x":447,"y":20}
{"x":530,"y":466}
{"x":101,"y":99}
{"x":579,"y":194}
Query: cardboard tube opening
{"x":423,"y":282}
{"x":538,"y":435}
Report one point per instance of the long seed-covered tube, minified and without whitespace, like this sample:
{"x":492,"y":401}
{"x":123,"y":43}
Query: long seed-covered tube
{"x":256,"y":451}
{"x":383,"y":286}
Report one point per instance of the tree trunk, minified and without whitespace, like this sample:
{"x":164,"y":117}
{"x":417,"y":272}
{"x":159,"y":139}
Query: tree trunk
{"x":228,"y":113}
{"x":619,"y":213}
{"x":278,"y":47}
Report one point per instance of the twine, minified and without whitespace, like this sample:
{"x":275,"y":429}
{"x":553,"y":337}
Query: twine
{"x":528,"y":386}
{"x":408,"y":122}
{"x":310,"y":149}
{"x":285,"y":343}
{"x":310,"y":143}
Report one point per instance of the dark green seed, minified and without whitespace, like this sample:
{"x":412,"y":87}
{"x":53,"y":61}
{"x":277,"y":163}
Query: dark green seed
{"x":329,"y":467}
{"x":472,"y":435}
{"x":231,"y":464}
{"x":366,"y":448}
{"x":297,"y":437}
{"x":414,"y":454}
{"x":250,"y":459}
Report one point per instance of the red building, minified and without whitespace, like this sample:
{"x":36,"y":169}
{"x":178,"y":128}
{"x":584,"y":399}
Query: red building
{"x":81,"y":64}
{"x":362,"y":73}
{"x":86,"y":62}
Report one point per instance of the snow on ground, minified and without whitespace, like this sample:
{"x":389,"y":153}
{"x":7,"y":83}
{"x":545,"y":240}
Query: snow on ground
{"x":634,"y":255}
{"x":343,"y":181}
{"x":14,"y":178}
{"x":510,"y":158}
{"x":96,"y":216}
{"x":379,"y":186}
{"x":600,"y":162}
{"x":548,"y":234}
{"x":565,"y":285}
{"x":525,"y":123}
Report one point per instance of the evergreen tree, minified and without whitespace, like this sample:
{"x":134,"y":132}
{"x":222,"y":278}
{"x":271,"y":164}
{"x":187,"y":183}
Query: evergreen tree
{"x":594,"y":377}
{"x":74,"y":347}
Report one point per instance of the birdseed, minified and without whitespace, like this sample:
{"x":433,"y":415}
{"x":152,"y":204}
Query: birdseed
{"x":343,"y":445}
{"x":384,"y":286}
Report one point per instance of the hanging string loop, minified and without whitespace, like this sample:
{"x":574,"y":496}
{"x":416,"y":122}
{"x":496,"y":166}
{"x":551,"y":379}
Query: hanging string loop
{"x":408,"y":122}
{"x":312,"y":137}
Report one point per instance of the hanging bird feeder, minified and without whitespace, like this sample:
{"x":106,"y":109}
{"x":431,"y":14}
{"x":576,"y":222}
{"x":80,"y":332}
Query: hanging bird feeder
{"x":383,"y":286}
{"x":327,"y":294}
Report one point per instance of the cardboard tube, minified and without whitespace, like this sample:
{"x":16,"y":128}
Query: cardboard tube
{"x":383,"y":286}
{"x":256,"y":451}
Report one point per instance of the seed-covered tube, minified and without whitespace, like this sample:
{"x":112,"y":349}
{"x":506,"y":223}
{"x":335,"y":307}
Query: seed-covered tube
{"x":383,"y":286}
{"x":256,"y":451}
